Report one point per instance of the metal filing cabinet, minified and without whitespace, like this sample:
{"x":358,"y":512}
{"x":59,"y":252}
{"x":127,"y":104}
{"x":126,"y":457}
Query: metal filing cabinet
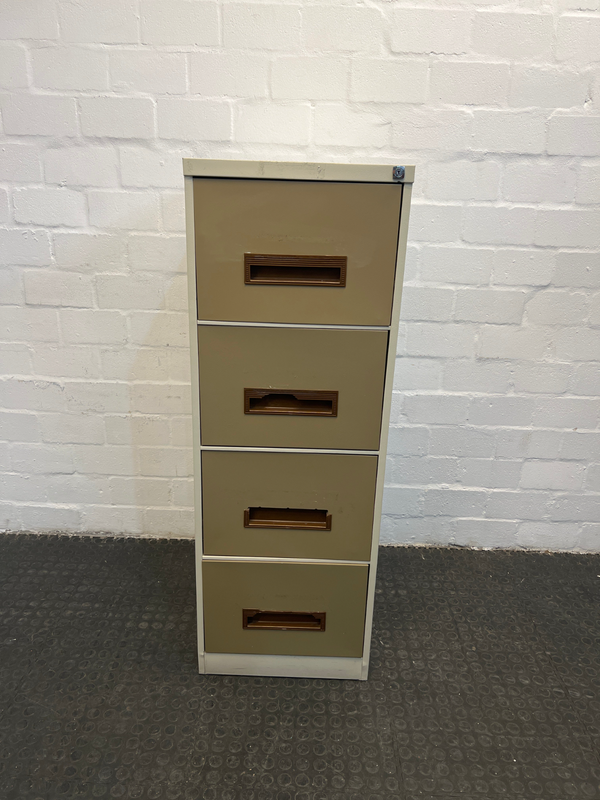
{"x":295,"y":278}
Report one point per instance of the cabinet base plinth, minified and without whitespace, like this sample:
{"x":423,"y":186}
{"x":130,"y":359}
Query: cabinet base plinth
{"x":283,"y":666}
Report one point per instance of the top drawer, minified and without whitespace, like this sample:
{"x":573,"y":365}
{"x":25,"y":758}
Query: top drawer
{"x":253,"y":237}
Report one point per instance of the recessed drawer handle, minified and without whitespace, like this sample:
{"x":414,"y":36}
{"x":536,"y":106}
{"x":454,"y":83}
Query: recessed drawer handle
{"x":310,"y":519}
{"x":274,"y":270}
{"x":290,"y":402}
{"x":254,"y":619}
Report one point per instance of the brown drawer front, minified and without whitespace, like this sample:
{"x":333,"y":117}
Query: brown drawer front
{"x":291,"y":387}
{"x":284,"y":609}
{"x":288,"y":505}
{"x":296,"y":251}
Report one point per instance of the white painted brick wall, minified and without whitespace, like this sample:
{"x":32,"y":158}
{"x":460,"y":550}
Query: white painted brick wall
{"x":495,"y":437}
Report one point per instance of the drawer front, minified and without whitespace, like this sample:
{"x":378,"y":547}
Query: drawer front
{"x":288,"y":505}
{"x":284,"y":609}
{"x":252,"y":238}
{"x":291,"y":387}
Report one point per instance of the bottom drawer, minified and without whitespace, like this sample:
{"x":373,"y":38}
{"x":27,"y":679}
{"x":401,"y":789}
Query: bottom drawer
{"x":284,"y":609}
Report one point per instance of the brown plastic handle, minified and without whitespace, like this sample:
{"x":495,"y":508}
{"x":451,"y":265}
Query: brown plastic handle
{"x":255,"y":619}
{"x":290,"y":402}
{"x":280,"y":270}
{"x":310,"y":519}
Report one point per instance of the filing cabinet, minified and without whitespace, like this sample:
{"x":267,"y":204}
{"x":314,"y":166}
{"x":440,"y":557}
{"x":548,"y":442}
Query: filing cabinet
{"x":295,"y":279}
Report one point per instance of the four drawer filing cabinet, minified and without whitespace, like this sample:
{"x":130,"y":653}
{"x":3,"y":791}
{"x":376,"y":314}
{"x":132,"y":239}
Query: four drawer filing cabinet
{"x":295,"y":277}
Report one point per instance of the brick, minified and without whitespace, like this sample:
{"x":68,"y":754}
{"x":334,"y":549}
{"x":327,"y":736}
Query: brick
{"x":518,"y":443}
{"x":595,"y":310}
{"x":162,"y":330}
{"x":589,"y":538}
{"x":517,"y":505}
{"x":389,"y":81}
{"x":542,"y":378}
{"x":180,"y":22}
{"x":88,"y":252}
{"x":177,"y":294}
{"x":261,"y":27}
{"x":568,"y":228}
{"x":160,"y":399}
{"x":165,"y":461}
{"x":39,"y":115}
{"x":231,"y":75}
{"x":574,"y":344}
{"x":152,"y":72}
{"x":11,"y":288}
{"x":156,"y":252}
{"x":577,"y":38}
{"x":139,"y":491}
{"x":179,"y":366}
{"x":431,"y":129}
{"x":13,"y":66}
{"x":554,"y":475}
{"x":268,"y":123}
{"x":337,"y":125}
{"x":33,"y":394}
{"x":81,"y":166}
{"x":119,"y":520}
{"x":408,"y":441}
{"x":548,"y":535}
{"x":91,"y":326}
{"x":66,"y":362}
{"x":456,"y":264}
{"x":426,"y":303}
{"x":475,"y":83}
{"x":124,"y":210}
{"x":588,"y":185}
{"x":422,"y":471}
{"x":136,"y":430}
{"x":97,"y":397}
{"x":42,"y":458}
{"x":28,"y":324}
{"x":523,"y":267}
{"x":105,"y":459}
{"x":519,"y":37}
{"x":461,"y":375}
{"x":117,"y":117}
{"x":538,"y":183}
{"x":567,"y":412}
{"x":49,"y":288}
{"x":141,"y":364}
{"x":193,"y":120}
{"x":417,"y":373}
{"x":581,"y":446}
{"x":69,"y":68}
{"x":587,"y":380}
{"x":499,"y":225}
{"x":299,"y":77}
{"x":436,"y":409}
{"x":592,"y":480}
{"x":547,"y":87}
{"x":552,"y":307}
{"x":142,"y":168}
{"x":402,"y":501}
{"x":576,"y":507}
{"x":442,"y":340}
{"x":435,"y":223}
{"x":181,"y":431}
{"x":16,"y":359}
{"x":49,"y":518}
{"x":408,"y":530}
{"x":170,"y":522}
{"x":71,"y":429}
{"x":20,"y":162}
{"x":484,"y":533}
{"x":463,"y":180}
{"x":493,"y":410}
{"x":500,"y":131}
{"x":454,"y":502}
{"x":172,"y":211}
{"x":49,"y":207}
{"x":574,"y":135}
{"x":183,"y":492}
{"x":429,"y":30}
{"x":39,"y":21}
{"x":526,"y":344}
{"x":130,"y":291}
{"x":19,"y":427}
{"x":342,"y":29}
{"x":28,"y":488}
{"x":577,"y":269}
{"x":489,"y":305}
{"x":76,"y":489}
{"x":108,"y":22}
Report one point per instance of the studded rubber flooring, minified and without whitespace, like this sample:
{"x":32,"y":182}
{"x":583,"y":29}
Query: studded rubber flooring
{"x":485,"y":684}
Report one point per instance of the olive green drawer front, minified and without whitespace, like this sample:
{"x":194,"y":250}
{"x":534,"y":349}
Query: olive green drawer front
{"x":281,"y":489}
{"x":348,"y":365}
{"x":358,"y":221}
{"x":333,"y":593}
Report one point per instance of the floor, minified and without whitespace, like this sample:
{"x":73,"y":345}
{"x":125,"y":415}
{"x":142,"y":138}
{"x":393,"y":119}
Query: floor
{"x":485,"y":683}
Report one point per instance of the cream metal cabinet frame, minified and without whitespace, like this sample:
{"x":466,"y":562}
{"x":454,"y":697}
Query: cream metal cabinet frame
{"x":295,"y":278}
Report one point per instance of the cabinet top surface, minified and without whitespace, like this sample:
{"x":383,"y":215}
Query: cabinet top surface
{"x":296,"y":170}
